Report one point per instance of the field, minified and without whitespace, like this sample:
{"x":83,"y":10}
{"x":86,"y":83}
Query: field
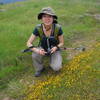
{"x":79,"y":79}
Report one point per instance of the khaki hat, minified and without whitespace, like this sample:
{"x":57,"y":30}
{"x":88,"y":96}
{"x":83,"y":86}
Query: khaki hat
{"x":47,"y":10}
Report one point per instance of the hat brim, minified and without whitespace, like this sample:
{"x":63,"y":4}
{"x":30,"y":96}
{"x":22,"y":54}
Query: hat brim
{"x":40,"y":15}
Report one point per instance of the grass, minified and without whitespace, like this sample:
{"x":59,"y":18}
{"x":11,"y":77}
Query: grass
{"x":77,"y":80}
{"x":16,"y":25}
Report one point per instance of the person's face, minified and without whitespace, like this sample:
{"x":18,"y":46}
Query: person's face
{"x":47,"y":19}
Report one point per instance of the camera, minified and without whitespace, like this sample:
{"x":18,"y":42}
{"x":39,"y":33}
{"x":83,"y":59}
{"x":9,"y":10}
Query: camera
{"x":48,"y":52}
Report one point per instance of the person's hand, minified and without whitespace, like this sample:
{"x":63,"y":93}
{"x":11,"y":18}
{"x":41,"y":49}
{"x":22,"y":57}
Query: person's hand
{"x":53,"y":49}
{"x":42,"y":52}
{"x":39,"y":51}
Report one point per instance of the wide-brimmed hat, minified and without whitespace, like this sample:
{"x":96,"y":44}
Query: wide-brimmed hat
{"x":47,"y":10}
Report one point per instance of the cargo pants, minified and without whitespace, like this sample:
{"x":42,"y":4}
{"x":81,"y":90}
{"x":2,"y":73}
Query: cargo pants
{"x":55,"y":61}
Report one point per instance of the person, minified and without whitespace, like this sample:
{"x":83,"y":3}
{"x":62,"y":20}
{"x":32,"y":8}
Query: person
{"x":51,"y":40}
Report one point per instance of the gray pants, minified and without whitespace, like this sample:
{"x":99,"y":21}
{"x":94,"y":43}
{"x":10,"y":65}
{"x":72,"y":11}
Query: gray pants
{"x":55,"y":61}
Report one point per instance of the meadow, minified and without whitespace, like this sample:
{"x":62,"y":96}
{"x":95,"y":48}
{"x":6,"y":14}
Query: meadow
{"x":79,"y":78}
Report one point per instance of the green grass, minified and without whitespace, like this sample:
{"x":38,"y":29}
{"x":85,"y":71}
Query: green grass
{"x":78,"y":80}
{"x":9,"y":73}
{"x":16,"y":25}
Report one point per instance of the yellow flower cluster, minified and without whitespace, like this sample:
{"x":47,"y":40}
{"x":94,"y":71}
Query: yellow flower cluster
{"x":37,"y":91}
{"x":75,"y":63}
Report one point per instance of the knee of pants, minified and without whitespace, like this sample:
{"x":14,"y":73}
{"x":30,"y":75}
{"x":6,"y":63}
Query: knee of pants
{"x":56,"y":68}
{"x":34,"y":56}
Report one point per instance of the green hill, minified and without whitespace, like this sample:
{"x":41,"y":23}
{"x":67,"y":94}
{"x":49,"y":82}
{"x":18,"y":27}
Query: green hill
{"x":79,"y":78}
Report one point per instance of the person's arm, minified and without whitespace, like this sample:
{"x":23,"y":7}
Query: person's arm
{"x":35,"y":33}
{"x":29,"y":44}
{"x":61,"y":41}
{"x":30,"y":41}
{"x":60,"y":38}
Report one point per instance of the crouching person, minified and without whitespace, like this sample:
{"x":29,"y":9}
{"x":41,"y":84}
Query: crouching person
{"x":51,"y":39}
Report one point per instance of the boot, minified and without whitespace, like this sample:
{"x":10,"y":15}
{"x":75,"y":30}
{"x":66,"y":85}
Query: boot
{"x":38,"y":73}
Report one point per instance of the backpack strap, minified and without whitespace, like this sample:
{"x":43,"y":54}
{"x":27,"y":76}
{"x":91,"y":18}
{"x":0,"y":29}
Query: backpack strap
{"x":40,"y":30}
{"x":55,"y":31}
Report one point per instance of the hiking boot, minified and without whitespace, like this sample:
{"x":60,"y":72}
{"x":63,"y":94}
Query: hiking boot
{"x":38,"y":73}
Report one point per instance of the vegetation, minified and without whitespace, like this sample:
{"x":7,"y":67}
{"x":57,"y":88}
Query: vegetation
{"x":79,"y":77}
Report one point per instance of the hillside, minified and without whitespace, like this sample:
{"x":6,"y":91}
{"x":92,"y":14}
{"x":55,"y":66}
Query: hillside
{"x":79,"y":78}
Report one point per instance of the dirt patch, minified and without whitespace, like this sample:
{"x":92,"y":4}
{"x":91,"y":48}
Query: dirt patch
{"x":2,"y":10}
{"x":7,"y":98}
{"x":84,"y":43}
{"x":96,"y":16}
